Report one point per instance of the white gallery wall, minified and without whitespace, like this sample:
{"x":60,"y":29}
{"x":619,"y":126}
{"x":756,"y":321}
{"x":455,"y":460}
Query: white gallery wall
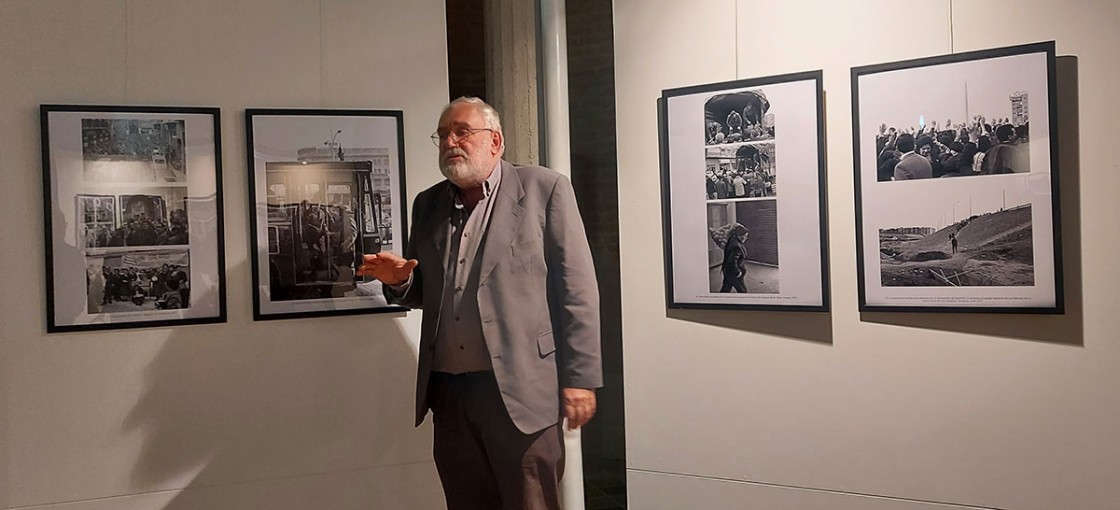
{"x":847,"y":411}
{"x":293,"y":414}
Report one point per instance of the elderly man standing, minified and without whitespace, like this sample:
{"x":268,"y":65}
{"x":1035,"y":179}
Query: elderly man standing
{"x":509,"y":344}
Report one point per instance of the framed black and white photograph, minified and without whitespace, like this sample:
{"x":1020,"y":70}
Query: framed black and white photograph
{"x":327,"y":187}
{"x":133,"y":206}
{"x":957,"y":183}
{"x":742,"y":185}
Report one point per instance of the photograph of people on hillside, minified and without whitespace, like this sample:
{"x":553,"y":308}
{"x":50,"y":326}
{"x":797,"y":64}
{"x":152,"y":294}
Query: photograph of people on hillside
{"x":990,"y":241}
{"x":982,"y":239}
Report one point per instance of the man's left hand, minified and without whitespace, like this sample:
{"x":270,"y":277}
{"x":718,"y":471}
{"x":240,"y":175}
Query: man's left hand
{"x":579,"y":406}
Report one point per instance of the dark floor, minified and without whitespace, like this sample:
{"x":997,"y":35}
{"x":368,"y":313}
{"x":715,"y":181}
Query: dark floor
{"x":605,"y":489}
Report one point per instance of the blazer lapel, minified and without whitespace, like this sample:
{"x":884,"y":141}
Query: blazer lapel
{"x":504,"y":220}
{"x":440,"y":225}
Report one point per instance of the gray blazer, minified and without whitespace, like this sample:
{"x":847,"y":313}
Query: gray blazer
{"x":537,"y":295}
{"x":913,"y":166}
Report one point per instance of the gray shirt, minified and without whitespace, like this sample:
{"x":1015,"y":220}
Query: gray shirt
{"x":460,"y":346}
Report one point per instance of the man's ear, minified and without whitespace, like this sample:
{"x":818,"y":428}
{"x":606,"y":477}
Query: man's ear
{"x":495,"y":143}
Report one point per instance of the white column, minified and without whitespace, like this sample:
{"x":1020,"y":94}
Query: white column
{"x":554,"y":55}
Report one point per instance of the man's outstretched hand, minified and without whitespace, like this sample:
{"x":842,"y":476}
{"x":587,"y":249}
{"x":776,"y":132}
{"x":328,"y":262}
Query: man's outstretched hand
{"x":387,"y":266}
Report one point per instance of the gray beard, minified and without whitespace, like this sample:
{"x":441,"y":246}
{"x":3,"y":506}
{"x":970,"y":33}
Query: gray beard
{"x":462,"y":174}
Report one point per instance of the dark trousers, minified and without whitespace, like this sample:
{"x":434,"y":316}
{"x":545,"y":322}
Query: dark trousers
{"x":484,"y":461}
{"x":736,"y":284}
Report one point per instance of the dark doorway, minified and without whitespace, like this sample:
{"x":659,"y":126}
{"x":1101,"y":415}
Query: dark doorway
{"x":595,"y":178}
{"x":466,"y":48}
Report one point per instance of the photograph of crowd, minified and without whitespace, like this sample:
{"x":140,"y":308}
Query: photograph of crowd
{"x":737,"y":117}
{"x":989,"y":115}
{"x":138,"y":281}
{"x":133,"y":150}
{"x":984,"y":239}
{"x":120,"y":202}
{"x":743,"y":247}
{"x":743,"y":171}
{"x":722,"y":243}
{"x":981,"y":146}
{"x":157,"y":217}
{"x":954,"y":119}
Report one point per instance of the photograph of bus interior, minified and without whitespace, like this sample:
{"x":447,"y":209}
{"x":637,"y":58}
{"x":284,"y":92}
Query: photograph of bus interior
{"x":322,"y":217}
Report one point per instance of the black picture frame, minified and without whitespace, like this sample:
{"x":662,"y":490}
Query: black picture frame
{"x":980,"y":234}
{"x":744,"y":162}
{"x":161,"y":262}
{"x":325,"y":187}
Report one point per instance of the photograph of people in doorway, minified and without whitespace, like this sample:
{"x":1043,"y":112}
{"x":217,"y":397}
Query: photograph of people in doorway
{"x":737,"y":117}
{"x":742,"y":171}
{"x":743,"y":247}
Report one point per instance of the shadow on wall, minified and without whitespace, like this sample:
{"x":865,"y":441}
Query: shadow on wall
{"x":272,"y":403}
{"x":1061,"y":329}
{"x":807,"y":326}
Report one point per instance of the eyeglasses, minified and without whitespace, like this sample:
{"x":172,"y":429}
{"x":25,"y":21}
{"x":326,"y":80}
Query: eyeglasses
{"x":457,"y":136}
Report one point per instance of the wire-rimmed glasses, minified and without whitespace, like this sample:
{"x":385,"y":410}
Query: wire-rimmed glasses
{"x":456,"y":136}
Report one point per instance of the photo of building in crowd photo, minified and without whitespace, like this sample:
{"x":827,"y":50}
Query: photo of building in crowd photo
{"x":133,"y":150}
{"x":743,"y":246}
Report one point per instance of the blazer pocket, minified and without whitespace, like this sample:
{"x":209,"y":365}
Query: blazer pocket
{"x":524,"y":256}
{"x":546,"y":344}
